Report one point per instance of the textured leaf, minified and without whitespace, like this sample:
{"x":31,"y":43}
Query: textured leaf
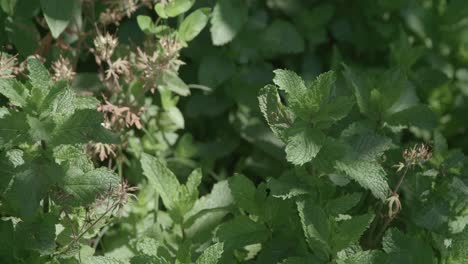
{"x":86,"y":187}
{"x":38,"y":74}
{"x":316,"y":227}
{"x":34,"y":179}
{"x":58,"y":14}
{"x":303,"y":144}
{"x":369,"y":174}
{"x":14,"y":129}
{"x":349,"y":231}
{"x":228,"y":18}
{"x":83,"y":126}
{"x":147,"y":259}
{"x":458,"y":253}
{"x":365,"y":257}
{"x":173,"y":83}
{"x":14,"y":91}
{"x":273,"y":110}
{"x":365,"y":143}
{"x":211,"y":255}
{"x":194,"y":24}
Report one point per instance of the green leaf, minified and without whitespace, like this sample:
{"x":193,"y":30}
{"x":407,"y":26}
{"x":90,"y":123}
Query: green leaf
{"x":364,"y":257}
{"x":402,"y":248}
{"x":177,"y":7}
{"x":229,"y":16}
{"x":8,"y":6}
{"x":147,"y":259}
{"x":305,"y":101}
{"x":303,"y":144}
{"x":419,"y":116}
{"x":162,"y":179}
{"x":274,"y":111}
{"x":38,"y":74}
{"x":211,"y":255}
{"x":369,"y":174}
{"x":14,"y":129}
{"x":103,"y":260}
{"x":360,"y":87}
{"x":14,"y":91}
{"x":34,"y":179}
{"x":315,"y":226}
{"x":458,"y":253}
{"x":83,"y":126}
{"x":24,"y":35}
{"x":243,"y":190}
{"x":58,"y":14}
{"x":365,"y":143}
{"x":240,"y":232}
{"x":343,"y":203}
{"x":85,"y":187}
{"x":146,"y":24}
{"x":40,"y":129}
{"x":38,"y":234}
{"x":281,"y":37}
{"x":194,"y":24}
{"x":173,"y":83}
{"x":215,"y":70}
{"x":349,"y":231}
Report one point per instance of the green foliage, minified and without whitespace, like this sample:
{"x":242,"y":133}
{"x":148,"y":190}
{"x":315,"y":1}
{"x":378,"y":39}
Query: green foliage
{"x":224,"y":131}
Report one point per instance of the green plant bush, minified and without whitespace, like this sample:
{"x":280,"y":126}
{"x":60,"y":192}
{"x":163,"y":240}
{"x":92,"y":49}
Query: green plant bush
{"x":233,"y":131}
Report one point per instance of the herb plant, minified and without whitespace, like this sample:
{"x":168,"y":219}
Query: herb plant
{"x":233,"y":131}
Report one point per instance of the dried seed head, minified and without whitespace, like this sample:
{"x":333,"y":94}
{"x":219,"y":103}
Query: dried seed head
{"x":417,"y":154}
{"x":104,"y":47}
{"x":63,"y":70}
{"x":117,"y":68}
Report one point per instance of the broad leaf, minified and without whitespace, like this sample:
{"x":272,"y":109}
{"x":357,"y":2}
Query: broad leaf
{"x":58,"y":14}
{"x":194,"y":24}
{"x":229,"y":16}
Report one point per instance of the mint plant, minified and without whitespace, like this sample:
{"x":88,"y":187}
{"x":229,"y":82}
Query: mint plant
{"x":45,"y":170}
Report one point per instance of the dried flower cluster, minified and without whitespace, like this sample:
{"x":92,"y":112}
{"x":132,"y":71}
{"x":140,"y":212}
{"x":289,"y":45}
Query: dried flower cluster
{"x":117,"y":68}
{"x":104,"y":150}
{"x":417,"y":154}
{"x":118,"y":117}
{"x":63,"y":70}
{"x":117,"y":10}
{"x":104,"y":47}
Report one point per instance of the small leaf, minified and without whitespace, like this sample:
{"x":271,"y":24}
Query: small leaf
{"x":274,"y":111}
{"x":146,"y":24}
{"x":177,"y":7}
{"x":243,"y":191}
{"x":162,"y":178}
{"x":58,"y":14}
{"x":240,"y":232}
{"x":303,"y":144}
{"x":229,"y":16}
{"x":349,"y":231}
{"x":15,"y":91}
{"x":194,"y":24}
{"x":38,"y":74}
{"x":211,"y":255}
